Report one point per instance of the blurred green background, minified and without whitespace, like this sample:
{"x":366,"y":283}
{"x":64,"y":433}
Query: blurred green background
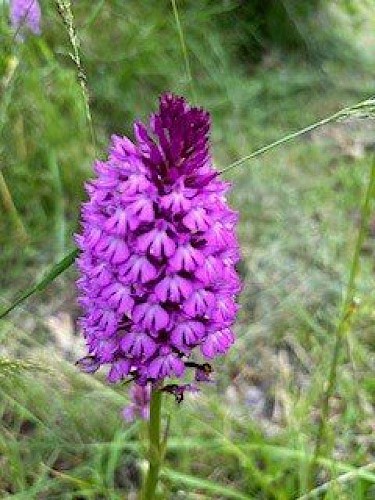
{"x":263,"y":69}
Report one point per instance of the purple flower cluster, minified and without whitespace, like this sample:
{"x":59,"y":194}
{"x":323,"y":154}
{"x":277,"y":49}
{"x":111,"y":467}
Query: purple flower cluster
{"x":25,"y":14}
{"x":159,"y":251}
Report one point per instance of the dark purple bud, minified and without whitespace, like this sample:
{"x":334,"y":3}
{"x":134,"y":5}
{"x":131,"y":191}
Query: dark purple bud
{"x":88,"y":364}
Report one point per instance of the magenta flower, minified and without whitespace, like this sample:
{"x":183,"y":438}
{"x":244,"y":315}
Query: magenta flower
{"x":158,"y":279}
{"x":140,"y":405}
{"x":25,"y":15}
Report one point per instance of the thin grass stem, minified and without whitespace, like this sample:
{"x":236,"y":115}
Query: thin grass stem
{"x":64,"y":8}
{"x":184,"y":51}
{"x":5,"y":194}
{"x":59,"y":216}
{"x":10,"y":207}
{"x":39,"y":286}
{"x":361,"y":109}
{"x":343,"y":325}
{"x":344,"y":478}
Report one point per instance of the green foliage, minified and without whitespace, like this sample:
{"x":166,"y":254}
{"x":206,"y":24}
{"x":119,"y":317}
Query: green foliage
{"x":306,"y":28}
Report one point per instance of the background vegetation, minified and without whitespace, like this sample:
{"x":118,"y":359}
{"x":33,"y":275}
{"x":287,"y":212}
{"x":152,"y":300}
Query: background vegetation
{"x":262,"y":69}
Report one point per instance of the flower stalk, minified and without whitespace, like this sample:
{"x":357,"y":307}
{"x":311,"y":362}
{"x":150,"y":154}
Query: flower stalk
{"x":155,"y":448}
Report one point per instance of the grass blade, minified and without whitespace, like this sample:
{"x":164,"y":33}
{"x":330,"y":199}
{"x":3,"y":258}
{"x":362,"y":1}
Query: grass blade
{"x":202,"y":484}
{"x":59,"y":215}
{"x":50,"y":276}
{"x":344,"y":478}
{"x":344,"y":322}
{"x":64,"y":8}
{"x":362,"y":108}
{"x":181,"y":36}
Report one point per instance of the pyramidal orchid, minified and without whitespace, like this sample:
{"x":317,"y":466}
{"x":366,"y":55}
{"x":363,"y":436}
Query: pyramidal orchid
{"x":157,"y":281}
{"x":158,"y":277}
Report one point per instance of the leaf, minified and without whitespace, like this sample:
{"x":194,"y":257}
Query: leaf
{"x":51,"y":275}
{"x":202,"y":484}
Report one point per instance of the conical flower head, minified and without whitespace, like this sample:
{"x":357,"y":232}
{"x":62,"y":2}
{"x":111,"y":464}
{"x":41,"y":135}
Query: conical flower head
{"x":158,"y":251}
{"x":25,"y":15}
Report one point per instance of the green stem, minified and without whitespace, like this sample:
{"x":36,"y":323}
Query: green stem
{"x":344,"y":478}
{"x":155,"y":455}
{"x":5,"y":194}
{"x":64,"y":8}
{"x":184,"y":50}
{"x":360,"y":107}
{"x":343,"y":324}
{"x":12,"y":210}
